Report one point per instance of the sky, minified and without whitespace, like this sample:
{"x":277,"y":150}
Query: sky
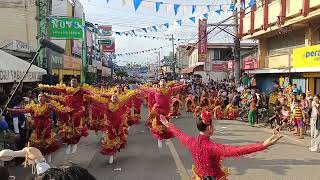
{"x":125,"y":18}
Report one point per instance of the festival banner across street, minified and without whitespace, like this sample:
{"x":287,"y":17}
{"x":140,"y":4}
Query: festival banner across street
{"x":66,"y":28}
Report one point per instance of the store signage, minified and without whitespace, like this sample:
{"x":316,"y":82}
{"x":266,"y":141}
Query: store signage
{"x":56,"y":59}
{"x":108,"y":45}
{"x":219,"y":67}
{"x":66,"y":28}
{"x":105,"y":30}
{"x":72,"y":63}
{"x":306,"y":57}
{"x":249,"y":63}
{"x":202,"y":41}
{"x":7,"y":76}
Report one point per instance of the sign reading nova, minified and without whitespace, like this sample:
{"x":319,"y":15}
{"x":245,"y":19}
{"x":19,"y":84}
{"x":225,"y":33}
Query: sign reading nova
{"x":66,"y":28}
{"x":306,"y":57}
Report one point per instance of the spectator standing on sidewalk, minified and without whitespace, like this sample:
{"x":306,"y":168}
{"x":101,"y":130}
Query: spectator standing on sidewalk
{"x":315,"y":125}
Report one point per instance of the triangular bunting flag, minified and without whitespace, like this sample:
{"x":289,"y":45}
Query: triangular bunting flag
{"x":209,"y":8}
{"x":206,"y":15}
{"x":145,"y":30}
{"x":166,"y":25}
{"x":108,"y":1}
{"x":179,"y":22}
{"x":194,"y":7}
{"x":185,"y":9}
{"x":232,"y":7}
{"x":136,"y":4}
{"x":155,"y":28}
{"x":176,"y":8}
{"x":252,"y":3}
{"x":118,"y":33}
{"x":147,"y":4}
{"x":169,"y":8}
{"x":158,"y":6}
{"x":219,"y":10}
{"x":193,"y":19}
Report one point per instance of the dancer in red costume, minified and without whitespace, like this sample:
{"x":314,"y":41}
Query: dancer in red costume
{"x":72,"y":127}
{"x":231,"y":111}
{"x":218,"y":112}
{"x":137,"y":102}
{"x":42,"y":136}
{"x":190,"y":105}
{"x":208,"y":155}
{"x":204,"y":106}
{"x":115,"y":125}
{"x":151,"y":100}
{"x":161,"y":107}
{"x":175,"y":107}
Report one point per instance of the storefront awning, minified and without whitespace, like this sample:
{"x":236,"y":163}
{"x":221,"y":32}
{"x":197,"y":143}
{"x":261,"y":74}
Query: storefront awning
{"x":13,"y":68}
{"x":190,"y":70}
{"x":285,"y":70}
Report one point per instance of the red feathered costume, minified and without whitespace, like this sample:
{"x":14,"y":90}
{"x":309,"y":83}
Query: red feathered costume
{"x":42,"y":136}
{"x":72,"y":125}
{"x":161,"y":107}
{"x":208,"y":155}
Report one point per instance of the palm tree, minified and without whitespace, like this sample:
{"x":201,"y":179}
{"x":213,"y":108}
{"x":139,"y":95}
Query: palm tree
{"x":121,"y":74}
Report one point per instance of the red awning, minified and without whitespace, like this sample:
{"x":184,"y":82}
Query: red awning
{"x":190,"y":70}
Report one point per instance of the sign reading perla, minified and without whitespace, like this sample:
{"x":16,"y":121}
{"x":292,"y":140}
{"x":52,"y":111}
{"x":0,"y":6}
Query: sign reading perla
{"x":306,"y":57}
{"x":66,"y":28}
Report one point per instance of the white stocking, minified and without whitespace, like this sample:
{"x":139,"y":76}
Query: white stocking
{"x":159,"y":143}
{"x":74,"y":148}
{"x":68,"y":151}
{"x":111,"y":159}
{"x":49,"y":158}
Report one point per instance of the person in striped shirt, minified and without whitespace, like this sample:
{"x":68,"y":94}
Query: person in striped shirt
{"x":298,"y":118}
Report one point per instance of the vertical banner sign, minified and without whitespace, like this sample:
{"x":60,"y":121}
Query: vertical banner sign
{"x":107,"y":45}
{"x":66,"y":28}
{"x":203,"y":41}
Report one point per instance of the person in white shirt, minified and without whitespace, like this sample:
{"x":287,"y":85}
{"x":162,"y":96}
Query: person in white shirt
{"x":314,"y":124}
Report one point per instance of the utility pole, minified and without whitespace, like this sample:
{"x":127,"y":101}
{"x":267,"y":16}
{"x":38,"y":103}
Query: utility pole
{"x":43,"y":12}
{"x":236,"y":46}
{"x":84,"y":55}
{"x":159,"y":65}
{"x":174,"y":58}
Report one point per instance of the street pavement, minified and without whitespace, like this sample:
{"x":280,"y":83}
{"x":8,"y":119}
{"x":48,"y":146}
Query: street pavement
{"x":290,"y":159}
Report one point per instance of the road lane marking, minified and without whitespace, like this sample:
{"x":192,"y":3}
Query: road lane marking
{"x":182,"y":170}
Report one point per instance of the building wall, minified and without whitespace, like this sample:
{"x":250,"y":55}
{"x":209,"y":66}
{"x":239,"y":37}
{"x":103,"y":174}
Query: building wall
{"x":193,"y":58}
{"x":293,"y":15}
{"x":18,"y":22}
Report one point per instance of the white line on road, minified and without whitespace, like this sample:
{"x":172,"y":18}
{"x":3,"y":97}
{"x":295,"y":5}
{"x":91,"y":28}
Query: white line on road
{"x":182,"y":170}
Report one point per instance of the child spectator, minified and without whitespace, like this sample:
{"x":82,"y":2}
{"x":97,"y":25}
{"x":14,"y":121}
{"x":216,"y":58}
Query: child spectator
{"x":298,"y":118}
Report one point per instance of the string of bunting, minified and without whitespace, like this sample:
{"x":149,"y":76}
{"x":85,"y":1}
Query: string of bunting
{"x":155,"y":28}
{"x":176,"y":7}
{"x":142,"y":52}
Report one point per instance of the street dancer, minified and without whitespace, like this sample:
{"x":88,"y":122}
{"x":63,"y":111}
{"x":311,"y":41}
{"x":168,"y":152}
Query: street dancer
{"x":208,"y":155}
{"x":42,"y":137}
{"x":73,"y":126}
{"x":161,"y":107}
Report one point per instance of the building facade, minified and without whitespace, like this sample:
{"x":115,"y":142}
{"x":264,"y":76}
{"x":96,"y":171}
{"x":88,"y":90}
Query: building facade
{"x":289,"y":36}
{"x":219,"y":64}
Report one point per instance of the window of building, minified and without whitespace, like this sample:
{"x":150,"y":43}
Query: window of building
{"x":285,"y":43}
{"x":222,"y":54}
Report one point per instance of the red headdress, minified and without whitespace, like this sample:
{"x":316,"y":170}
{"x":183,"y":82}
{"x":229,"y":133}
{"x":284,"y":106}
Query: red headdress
{"x":206,"y":117}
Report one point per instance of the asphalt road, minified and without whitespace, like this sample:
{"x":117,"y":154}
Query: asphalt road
{"x":290,"y":159}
